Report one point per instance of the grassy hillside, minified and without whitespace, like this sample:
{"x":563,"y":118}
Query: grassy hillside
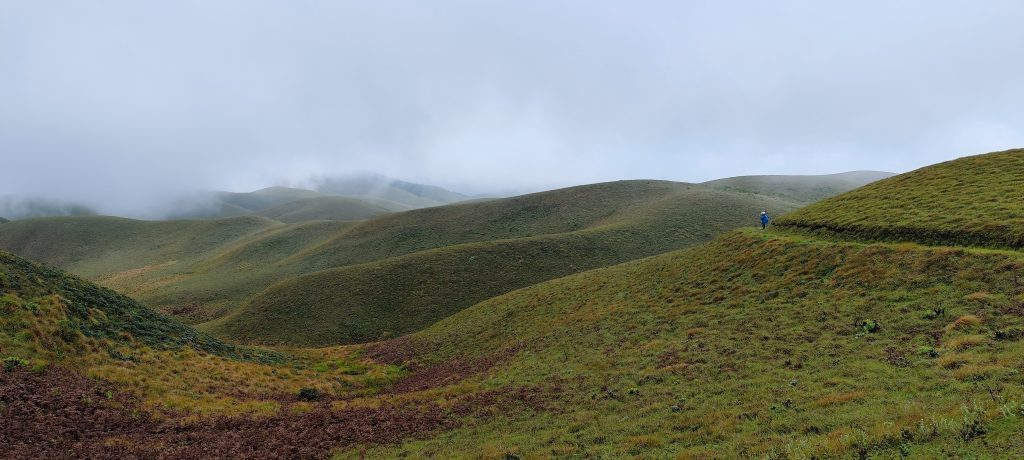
{"x":203,"y":270}
{"x":755,"y":345}
{"x":976,"y":200}
{"x":46,"y":312}
{"x":325,"y":208}
{"x":93,"y":246}
{"x":799,"y":189}
{"x":89,"y":373}
{"x":3,"y":221}
{"x":401,"y":294}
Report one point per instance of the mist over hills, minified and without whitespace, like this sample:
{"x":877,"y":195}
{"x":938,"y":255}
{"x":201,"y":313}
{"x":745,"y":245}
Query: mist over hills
{"x":21,"y":207}
{"x":368,"y":195}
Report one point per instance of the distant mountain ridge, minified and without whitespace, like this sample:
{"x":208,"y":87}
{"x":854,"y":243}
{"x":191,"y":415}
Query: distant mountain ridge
{"x":365,"y":196}
{"x":405,"y":194}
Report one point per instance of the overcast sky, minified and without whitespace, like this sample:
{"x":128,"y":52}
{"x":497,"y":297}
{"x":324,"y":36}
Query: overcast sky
{"x":118,"y":103}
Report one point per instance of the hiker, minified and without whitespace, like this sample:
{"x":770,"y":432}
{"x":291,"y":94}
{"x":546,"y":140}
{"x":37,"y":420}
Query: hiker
{"x":764,"y":219}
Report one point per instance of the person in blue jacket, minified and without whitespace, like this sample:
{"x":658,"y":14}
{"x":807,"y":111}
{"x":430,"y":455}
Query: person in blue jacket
{"x":764,"y":219}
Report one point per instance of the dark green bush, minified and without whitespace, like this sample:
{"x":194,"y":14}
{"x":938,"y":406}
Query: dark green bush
{"x":12,"y":362}
{"x":309,"y":394}
{"x":869,"y":326}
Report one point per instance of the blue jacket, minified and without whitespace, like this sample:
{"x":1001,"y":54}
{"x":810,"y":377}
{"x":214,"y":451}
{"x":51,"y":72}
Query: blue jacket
{"x":764,"y":218}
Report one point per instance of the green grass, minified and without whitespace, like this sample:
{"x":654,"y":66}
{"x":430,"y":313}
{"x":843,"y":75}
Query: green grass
{"x":202,"y":271}
{"x":757,"y":340}
{"x":49,"y":318}
{"x":93,"y":246}
{"x":64,"y":309}
{"x":977,"y":201}
{"x":402,"y":294}
{"x":777,"y":344}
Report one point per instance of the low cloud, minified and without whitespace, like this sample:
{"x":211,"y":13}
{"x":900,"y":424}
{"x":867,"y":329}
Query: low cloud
{"x":121,"y":104}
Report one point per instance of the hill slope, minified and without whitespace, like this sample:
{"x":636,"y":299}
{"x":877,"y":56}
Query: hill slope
{"x":976,"y":200}
{"x":401,"y":294}
{"x":561,"y":231}
{"x":64,"y":310}
{"x":88,"y":373}
{"x":94,"y":245}
{"x":325,"y":208}
{"x":799,"y":189}
{"x":756,"y":345}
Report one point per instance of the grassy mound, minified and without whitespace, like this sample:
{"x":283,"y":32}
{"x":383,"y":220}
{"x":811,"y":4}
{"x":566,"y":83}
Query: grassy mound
{"x":754,"y":345}
{"x":324,"y":208}
{"x":975,"y":200}
{"x":46,"y":312}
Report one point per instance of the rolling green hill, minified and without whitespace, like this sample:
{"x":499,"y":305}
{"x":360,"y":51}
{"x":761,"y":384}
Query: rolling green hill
{"x":203,"y":271}
{"x":758,"y":344}
{"x":325,"y":208}
{"x":62,"y":311}
{"x":92,"y":246}
{"x":786,"y":343}
{"x":401,"y":294}
{"x":970,"y":201}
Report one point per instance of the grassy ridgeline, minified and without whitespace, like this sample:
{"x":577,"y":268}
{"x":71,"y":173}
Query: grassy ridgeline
{"x":976,"y":201}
